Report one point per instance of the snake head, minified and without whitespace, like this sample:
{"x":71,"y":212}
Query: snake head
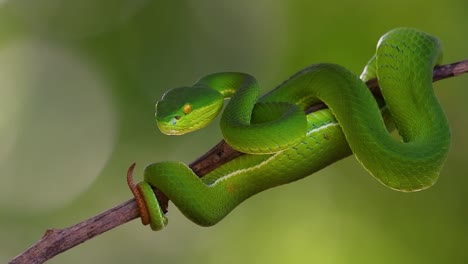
{"x":186,"y":109}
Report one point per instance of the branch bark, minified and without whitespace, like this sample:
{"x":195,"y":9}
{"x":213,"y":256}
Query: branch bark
{"x":56,"y":241}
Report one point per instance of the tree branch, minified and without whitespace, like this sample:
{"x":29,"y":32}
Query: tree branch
{"x":56,"y":241}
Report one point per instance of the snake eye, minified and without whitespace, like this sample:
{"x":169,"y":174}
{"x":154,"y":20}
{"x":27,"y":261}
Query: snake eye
{"x":187,"y":109}
{"x":176,"y":117}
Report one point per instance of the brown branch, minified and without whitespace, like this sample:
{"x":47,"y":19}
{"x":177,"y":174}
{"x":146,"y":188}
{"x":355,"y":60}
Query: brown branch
{"x":56,"y":241}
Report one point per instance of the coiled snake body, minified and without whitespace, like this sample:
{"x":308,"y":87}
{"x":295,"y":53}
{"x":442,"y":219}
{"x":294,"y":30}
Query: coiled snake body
{"x":284,"y":144}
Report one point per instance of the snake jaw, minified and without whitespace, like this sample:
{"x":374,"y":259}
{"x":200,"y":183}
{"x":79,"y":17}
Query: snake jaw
{"x":171,"y":128}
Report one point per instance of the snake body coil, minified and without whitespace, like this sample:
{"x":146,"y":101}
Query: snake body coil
{"x":284,"y":144}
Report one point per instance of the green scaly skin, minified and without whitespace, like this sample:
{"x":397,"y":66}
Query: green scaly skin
{"x":285,"y":145}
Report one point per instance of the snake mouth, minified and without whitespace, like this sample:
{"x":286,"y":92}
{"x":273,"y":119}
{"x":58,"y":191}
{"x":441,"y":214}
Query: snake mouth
{"x":170,"y":129}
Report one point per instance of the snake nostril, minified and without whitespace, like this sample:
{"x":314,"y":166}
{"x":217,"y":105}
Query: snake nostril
{"x":175,"y":119}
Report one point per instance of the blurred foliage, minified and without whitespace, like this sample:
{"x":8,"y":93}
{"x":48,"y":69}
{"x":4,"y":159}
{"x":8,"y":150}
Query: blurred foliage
{"x":78,"y":83}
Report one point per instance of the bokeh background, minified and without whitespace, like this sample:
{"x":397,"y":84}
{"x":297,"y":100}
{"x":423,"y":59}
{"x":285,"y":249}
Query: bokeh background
{"x":78,"y":84}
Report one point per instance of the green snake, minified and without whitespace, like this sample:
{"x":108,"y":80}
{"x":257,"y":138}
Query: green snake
{"x":283,"y":144}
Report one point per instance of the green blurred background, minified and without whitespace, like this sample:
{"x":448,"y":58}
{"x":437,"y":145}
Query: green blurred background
{"x":78,"y":83}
